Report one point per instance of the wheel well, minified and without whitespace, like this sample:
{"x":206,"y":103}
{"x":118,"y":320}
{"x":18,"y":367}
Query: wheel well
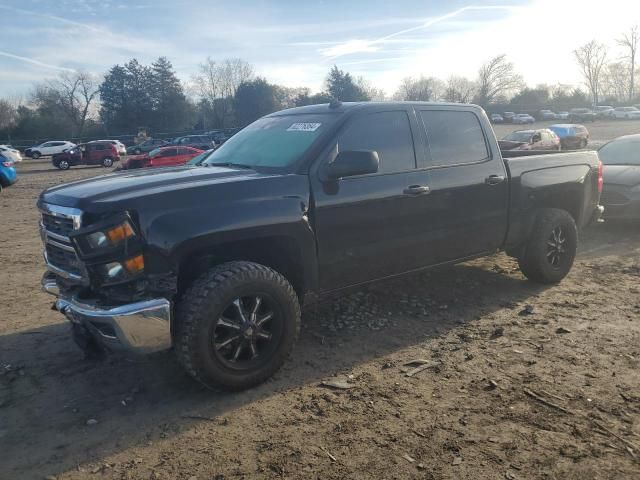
{"x":279,"y":253}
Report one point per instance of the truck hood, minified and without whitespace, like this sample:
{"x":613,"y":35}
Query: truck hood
{"x":125,"y":187}
{"x":625,"y":175}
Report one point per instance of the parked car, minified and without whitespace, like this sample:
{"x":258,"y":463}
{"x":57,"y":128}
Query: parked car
{"x":146,"y":146}
{"x":581,"y":115}
{"x":217,"y":261}
{"x":201,"y":142}
{"x":621,"y":192}
{"x":161,"y":157}
{"x":496,"y":118}
{"x":603,"y":111}
{"x":102,"y":153}
{"x":508,"y":117}
{"x":12,"y":153}
{"x":626,"y":113}
{"x":48,"y":148}
{"x":542,"y":139}
{"x":522,"y":118}
{"x":562,"y":116}
{"x":546,"y":115}
{"x":571,"y":136}
{"x":120,"y":147}
{"x":8,"y":174}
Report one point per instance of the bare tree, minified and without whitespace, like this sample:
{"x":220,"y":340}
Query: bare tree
{"x":630,"y":42}
{"x":459,"y":90}
{"x":591,"y":58}
{"x":375,"y":94}
{"x":217,"y":83}
{"x":425,"y":89}
{"x":497,"y":78}
{"x":615,"y":81}
{"x":75,"y":94}
{"x":7,"y":114}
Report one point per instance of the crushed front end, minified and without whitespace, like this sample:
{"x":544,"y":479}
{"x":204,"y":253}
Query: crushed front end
{"x":98,"y":270}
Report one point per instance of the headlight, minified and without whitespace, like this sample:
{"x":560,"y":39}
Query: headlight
{"x":120,"y":271}
{"x":106,"y":238}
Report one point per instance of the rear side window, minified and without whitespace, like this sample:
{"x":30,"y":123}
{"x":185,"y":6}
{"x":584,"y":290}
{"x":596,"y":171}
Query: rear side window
{"x":99,"y":146}
{"x":169,"y":152}
{"x":387,"y":133}
{"x":454,"y":137}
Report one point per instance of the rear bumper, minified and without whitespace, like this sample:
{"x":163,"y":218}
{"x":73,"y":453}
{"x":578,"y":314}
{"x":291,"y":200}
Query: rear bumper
{"x":139,"y":327}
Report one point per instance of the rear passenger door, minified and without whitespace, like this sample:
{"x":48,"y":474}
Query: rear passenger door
{"x":468,"y":200}
{"x":166,"y":157}
{"x":368,"y":226}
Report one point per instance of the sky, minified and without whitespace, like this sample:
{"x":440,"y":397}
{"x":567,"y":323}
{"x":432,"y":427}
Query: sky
{"x":294,"y":43}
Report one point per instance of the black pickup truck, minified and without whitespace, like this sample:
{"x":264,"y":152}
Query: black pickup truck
{"x":216,"y":260}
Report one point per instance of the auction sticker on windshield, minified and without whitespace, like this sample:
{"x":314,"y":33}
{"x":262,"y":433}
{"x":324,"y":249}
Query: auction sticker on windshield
{"x":304,"y":127}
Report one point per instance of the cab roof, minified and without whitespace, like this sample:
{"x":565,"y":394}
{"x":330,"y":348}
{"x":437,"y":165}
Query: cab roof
{"x":344,"y":107}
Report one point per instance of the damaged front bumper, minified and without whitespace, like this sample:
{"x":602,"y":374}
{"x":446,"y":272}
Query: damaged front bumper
{"x":139,"y":327}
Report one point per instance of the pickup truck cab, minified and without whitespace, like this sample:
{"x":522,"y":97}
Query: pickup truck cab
{"x":216,"y":260}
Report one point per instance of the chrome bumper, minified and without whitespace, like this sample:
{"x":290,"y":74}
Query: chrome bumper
{"x":140,"y":327}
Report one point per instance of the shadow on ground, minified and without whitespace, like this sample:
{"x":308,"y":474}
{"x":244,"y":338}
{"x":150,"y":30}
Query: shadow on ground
{"x":48,"y":392}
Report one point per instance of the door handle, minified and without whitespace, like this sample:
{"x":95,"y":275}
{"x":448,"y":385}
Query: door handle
{"x":416,"y":190}
{"x":494,"y":179}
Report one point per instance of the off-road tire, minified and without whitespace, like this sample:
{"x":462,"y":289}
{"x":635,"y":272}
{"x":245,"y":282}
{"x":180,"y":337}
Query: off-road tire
{"x":107,"y":162}
{"x":534,"y":262}
{"x":204,"y":302}
{"x":36,"y":155}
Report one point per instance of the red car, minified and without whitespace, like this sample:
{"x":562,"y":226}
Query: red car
{"x":92,"y":153}
{"x":161,"y":157}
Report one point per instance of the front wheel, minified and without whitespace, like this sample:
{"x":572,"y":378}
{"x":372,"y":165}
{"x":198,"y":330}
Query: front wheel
{"x":63,"y":165}
{"x":35,"y":155}
{"x":107,"y":162}
{"x":549,"y":254}
{"x":236,"y":325}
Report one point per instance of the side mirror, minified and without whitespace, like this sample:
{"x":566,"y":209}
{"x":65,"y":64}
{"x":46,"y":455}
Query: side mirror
{"x":353,"y":162}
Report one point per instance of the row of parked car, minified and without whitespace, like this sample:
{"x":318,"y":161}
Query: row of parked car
{"x":574,"y":115}
{"x":562,"y":136}
{"x":65,"y":154}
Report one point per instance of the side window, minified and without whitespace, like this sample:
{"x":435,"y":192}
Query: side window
{"x":98,"y":146}
{"x":454,"y":137}
{"x":184,"y":151}
{"x":388,"y":133}
{"x":169,"y":152}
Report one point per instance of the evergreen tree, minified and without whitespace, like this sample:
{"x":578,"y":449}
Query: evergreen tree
{"x":342,"y":86}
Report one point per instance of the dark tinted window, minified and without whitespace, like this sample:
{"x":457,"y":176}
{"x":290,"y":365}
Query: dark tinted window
{"x":454,"y":137}
{"x":388,"y":133}
{"x":169,"y":152}
{"x":621,"y":152}
{"x":99,"y":146}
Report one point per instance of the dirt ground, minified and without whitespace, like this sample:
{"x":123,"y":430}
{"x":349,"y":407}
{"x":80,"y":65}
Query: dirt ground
{"x":520,"y":381}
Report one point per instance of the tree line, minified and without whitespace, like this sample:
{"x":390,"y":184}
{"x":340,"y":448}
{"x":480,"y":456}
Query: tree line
{"x":228,"y":93}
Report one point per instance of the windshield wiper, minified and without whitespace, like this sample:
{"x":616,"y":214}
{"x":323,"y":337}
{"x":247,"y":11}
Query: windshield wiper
{"x":229,"y":164}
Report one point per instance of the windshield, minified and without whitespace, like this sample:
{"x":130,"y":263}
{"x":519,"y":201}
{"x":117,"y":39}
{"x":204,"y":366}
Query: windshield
{"x":621,"y":152}
{"x":519,"y":137}
{"x":154,"y":152}
{"x":275,"y":142}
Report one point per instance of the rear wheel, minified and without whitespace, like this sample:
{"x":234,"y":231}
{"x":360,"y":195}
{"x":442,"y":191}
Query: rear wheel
{"x":107,"y":162}
{"x":551,"y":249}
{"x":63,"y":165}
{"x":236,"y":325}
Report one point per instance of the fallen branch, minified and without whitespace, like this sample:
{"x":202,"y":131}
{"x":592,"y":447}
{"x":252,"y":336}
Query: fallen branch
{"x":631,"y":447}
{"x":546,"y":402}
{"x":333,"y":459}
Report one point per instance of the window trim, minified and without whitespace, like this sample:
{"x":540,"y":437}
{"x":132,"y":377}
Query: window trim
{"x":430,"y":165}
{"x":360,"y":115}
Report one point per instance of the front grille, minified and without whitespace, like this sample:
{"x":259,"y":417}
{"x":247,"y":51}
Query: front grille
{"x":613,"y":198}
{"x":56,"y":225}
{"x":59,"y":225}
{"x":63,"y":259}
